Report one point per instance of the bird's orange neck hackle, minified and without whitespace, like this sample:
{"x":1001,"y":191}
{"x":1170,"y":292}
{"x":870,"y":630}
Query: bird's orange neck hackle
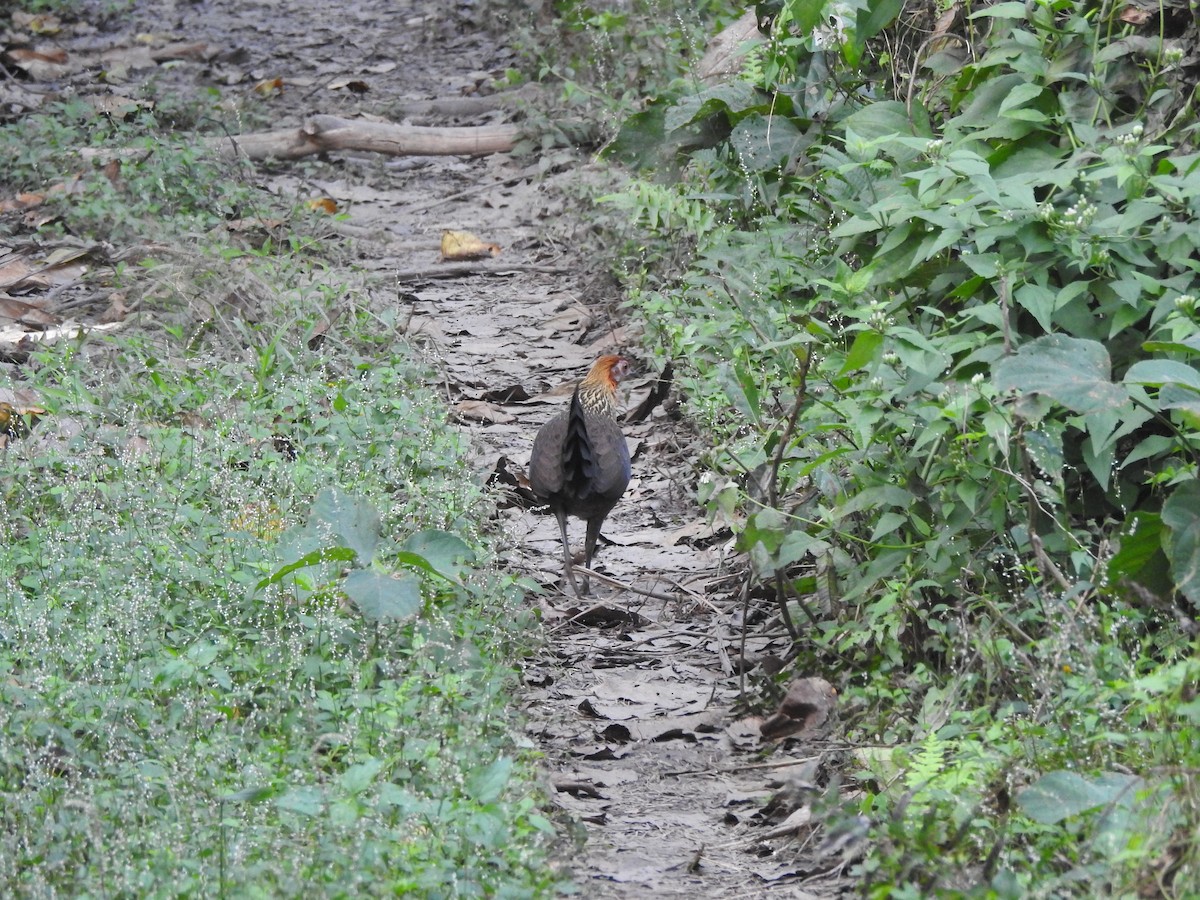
{"x":597,"y":393}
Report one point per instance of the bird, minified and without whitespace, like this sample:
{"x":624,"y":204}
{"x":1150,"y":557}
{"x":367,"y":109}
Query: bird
{"x":580,"y":462}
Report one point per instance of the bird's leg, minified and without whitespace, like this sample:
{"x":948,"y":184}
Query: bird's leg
{"x":589,"y":546}
{"x":568,"y":563}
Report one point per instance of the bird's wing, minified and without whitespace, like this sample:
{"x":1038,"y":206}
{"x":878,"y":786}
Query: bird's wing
{"x":609,"y":468}
{"x":546,"y":462}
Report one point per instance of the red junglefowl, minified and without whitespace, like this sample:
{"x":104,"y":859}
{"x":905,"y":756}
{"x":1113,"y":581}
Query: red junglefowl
{"x":580,"y":463}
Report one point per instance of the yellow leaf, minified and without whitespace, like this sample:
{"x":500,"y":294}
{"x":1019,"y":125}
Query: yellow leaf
{"x":269,"y":86}
{"x":457,"y":245}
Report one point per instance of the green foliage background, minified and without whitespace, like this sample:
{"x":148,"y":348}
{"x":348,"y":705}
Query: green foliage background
{"x":250,"y":642}
{"x":929,"y":276}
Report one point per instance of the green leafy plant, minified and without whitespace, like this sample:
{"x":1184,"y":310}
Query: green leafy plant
{"x":251,"y":642}
{"x":940,"y":323}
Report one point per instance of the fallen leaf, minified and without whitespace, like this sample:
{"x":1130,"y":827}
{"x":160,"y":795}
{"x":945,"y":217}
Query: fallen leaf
{"x":22,"y":201}
{"x":40,"y":65}
{"x":19,"y":338}
{"x":482,"y":411}
{"x":460,"y":245}
{"x":38,"y":23}
{"x":15,"y":273}
{"x":353,"y":85}
{"x":269,"y":86}
{"x":25,"y":313}
{"x":116,"y":310}
{"x":73,"y":185}
{"x":807,"y":705}
{"x":621,"y":699}
{"x":1133,"y":15}
{"x":946,"y":21}
{"x":801,"y":818}
{"x":514,"y":394}
{"x":20,"y":55}
{"x":698,"y":533}
{"x":116,"y":106}
{"x":323,"y":204}
{"x":18,"y":412}
{"x":198,"y":51}
{"x":120,"y":61}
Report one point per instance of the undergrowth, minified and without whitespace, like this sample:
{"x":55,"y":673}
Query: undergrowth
{"x":934,"y":301}
{"x":248,"y":646}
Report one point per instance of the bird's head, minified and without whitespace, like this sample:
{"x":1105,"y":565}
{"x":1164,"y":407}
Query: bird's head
{"x":606,"y":373}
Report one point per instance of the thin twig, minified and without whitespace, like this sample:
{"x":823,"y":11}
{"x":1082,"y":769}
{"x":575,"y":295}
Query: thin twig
{"x":749,"y":767}
{"x":474,"y":189}
{"x":613,"y":582}
{"x":467,"y":270}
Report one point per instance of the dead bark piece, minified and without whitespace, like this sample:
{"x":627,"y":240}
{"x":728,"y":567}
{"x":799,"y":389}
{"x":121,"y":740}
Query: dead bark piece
{"x":657,"y":395}
{"x":322,"y":134}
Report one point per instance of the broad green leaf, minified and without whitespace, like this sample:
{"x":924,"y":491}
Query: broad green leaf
{"x":1138,"y":545}
{"x":918,"y":353}
{"x":1173,"y":396}
{"x":765,"y":527}
{"x":884,"y":119}
{"x":856,"y":225}
{"x":487,"y":785}
{"x":358,"y":778}
{"x":334,"y":554}
{"x":797,"y":544}
{"x":805,"y":14}
{"x":984,"y":107}
{"x":353,"y":520}
{"x":639,"y":142}
{"x":1188,"y":346}
{"x":741,"y":390}
{"x":1072,"y":371}
{"x":1181,"y":514}
{"x":1163,"y":371}
{"x":1045,"y":448}
{"x":203,"y":653}
{"x":1019,"y":96}
{"x":721,"y":99}
{"x":1009,"y":10}
{"x":887,"y":523}
{"x":382,"y":598}
{"x":1040,"y":301}
{"x":308,"y":801}
{"x":438,"y":552}
{"x":878,"y":15}
{"x":863,"y":352}
{"x":1148,"y":448}
{"x":254,"y":794}
{"x":764,"y":143}
{"x":1061,"y":794}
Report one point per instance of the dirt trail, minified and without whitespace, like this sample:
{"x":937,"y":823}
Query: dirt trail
{"x":632,"y":701}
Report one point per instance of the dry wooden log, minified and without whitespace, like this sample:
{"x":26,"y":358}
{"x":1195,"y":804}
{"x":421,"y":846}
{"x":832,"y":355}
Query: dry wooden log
{"x":322,"y":133}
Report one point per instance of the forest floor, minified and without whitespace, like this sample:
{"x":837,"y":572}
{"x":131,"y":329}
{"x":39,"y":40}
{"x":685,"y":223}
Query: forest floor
{"x":664,"y":784}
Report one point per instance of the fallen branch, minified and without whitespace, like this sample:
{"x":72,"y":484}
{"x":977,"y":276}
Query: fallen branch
{"x":322,"y":134}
